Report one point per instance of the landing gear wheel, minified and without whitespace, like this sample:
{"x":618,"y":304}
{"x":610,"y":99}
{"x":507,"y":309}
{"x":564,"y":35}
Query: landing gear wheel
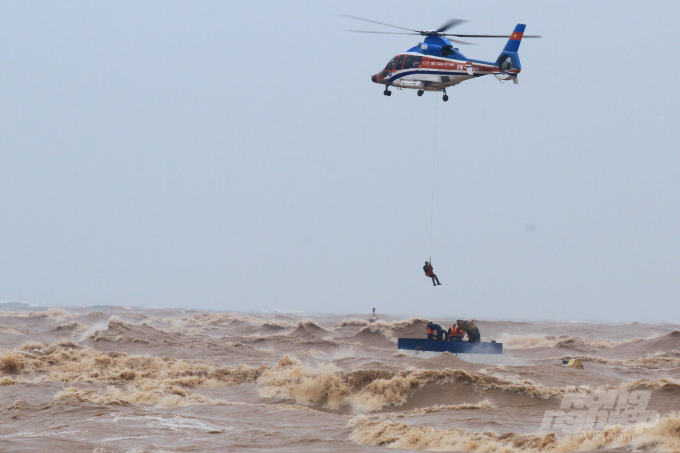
{"x":420,"y":92}
{"x":445,"y":98}
{"x":387,"y":92}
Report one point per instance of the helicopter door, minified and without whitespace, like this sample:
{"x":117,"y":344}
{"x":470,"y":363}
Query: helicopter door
{"x":400,"y":60}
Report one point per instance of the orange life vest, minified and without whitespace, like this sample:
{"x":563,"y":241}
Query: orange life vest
{"x":456,"y":332}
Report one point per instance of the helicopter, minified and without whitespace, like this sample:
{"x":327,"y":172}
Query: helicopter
{"x":435,"y":65}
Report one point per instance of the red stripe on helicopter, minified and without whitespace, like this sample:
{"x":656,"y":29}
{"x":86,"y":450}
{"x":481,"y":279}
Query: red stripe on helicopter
{"x":431,"y":63}
{"x":516,"y":36}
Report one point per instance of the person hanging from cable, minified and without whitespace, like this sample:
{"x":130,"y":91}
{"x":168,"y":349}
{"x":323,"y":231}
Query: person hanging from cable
{"x":428,"y":272}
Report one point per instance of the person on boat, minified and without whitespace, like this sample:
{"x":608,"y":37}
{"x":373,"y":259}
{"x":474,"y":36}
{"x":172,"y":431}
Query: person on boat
{"x":456,"y":333}
{"x":435,"y":332}
{"x":470,"y":329}
{"x":429,"y":272}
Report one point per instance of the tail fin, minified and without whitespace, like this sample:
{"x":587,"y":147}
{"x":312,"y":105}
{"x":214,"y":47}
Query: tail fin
{"x":508,"y":60}
{"x":515,"y":39}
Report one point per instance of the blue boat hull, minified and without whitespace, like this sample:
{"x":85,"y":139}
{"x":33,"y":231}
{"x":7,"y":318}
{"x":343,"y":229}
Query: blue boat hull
{"x":454,"y":347}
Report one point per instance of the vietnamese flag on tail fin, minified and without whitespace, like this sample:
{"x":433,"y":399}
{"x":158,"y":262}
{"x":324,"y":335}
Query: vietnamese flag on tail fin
{"x":515,"y":39}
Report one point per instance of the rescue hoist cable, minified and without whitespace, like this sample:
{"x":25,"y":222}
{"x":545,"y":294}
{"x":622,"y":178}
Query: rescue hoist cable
{"x":434,"y":154}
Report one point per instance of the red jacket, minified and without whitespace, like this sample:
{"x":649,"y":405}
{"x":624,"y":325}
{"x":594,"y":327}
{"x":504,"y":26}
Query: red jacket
{"x":428,"y":270}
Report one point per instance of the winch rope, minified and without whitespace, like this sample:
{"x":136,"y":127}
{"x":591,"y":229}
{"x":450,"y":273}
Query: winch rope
{"x":434,"y":154}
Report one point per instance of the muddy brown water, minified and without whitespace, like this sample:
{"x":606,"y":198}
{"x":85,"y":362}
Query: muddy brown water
{"x":156,"y":380}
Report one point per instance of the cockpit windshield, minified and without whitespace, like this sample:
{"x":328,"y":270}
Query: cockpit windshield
{"x":390,"y":65}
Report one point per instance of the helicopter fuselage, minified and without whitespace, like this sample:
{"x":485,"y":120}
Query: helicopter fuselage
{"x":435,"y":65}
{"x":436,"y":73}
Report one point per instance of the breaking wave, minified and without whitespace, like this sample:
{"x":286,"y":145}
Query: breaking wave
{"x":277,"y":325}
{"x":309,"y":330}
{"x":351,"y":323}
{"x":512,"y":341}
{"x":651,"y":360}
{"x":9,"y":331}
{"x":73,"y":326}
{"x":661,"y":436}
{"x":486,"y":404}
{"x":139,"y":379}
{"x":371,"y":390}
{"x":52,"y":313}
{"x":6,"y":380}
{"x":209,"y":319}
{"x":375,"y":332}
{"x":390,"y":330}
{"x":663,"y":383}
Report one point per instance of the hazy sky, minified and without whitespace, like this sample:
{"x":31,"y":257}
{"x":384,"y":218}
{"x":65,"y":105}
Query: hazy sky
{"x":235,"y":155}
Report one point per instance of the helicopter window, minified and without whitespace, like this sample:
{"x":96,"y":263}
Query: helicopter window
{"x":390,"y":65}
{"x":408,"y":64}
{"x":416,"y":61}
{"x":399,"y":62}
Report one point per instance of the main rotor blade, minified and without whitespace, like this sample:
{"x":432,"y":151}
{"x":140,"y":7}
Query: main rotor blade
{"x":375,"y":22}
{"x":450,"y":24}
{"x":383,"y":32}
{"x":488,"y":36}
{"x":463,"y":42}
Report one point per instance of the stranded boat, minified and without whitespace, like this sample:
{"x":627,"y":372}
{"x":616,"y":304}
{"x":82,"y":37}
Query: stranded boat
{"x":455,"y":345}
